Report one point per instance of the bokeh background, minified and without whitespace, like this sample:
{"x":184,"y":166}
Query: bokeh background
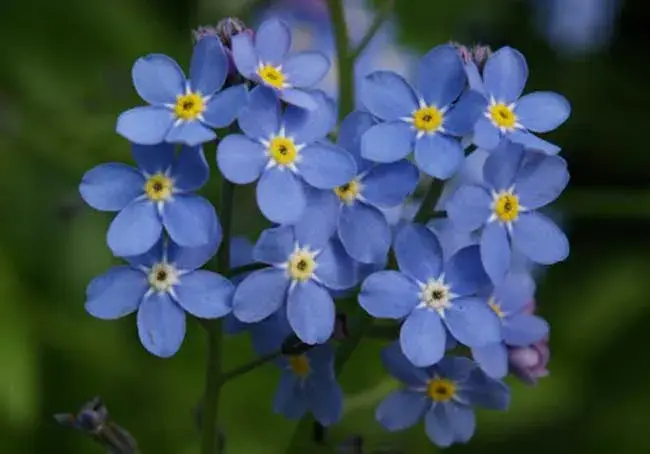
{"x":65,"y":76}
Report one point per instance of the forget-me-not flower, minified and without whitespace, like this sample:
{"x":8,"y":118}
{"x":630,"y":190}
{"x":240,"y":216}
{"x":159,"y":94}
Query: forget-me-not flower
{"x":285,"y":151}
{"x":180,"y":110}
{"x":159,"y":193}
{"x":431,"y":295}
{"x":162,"y":285}
{"x":352,"y":210}
{"x":425,"y":119}
{"x":299,"y":280}
{"x":443,"y":395}
{"x":516,"y":184}
{"x":506,"y":113}
{"x":265,"y":59}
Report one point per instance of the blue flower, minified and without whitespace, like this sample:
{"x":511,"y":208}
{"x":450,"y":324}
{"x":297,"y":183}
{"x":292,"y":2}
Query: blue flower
{"x":264,"y":59}
{"x":352,"y":209}
{"x":443,"y":395}
{"x":516,"y":184}
{"x":158,"y":194}
{"x":285,"y":152}
{"x":431,"y":295}
{"x":308,"y":384}
{"x":180,"y":110}
{"x":506,"y":114}
{"x":162,"y":285}
{"x":301,"y":274}
{"x":427,"y":119}
{"x":519,"y":328}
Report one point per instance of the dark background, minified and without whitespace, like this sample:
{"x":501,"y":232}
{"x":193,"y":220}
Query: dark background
{"x":64,"y":78}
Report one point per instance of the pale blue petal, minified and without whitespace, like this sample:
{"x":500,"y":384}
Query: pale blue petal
{"x":336,"y":269}
{"x":418,"y":252}
{"x":472,"y":322}
{"x":244,"y":54}
{"x":311,"y":312}
{"x":116,"y":293}
{"x":145,"y":125}
{"x":225,"y":106}
{"x":495,"y":251}
{"x":451,"y":239}
{"x":441,"y":76}
{"x":205,"y":294}
{"x":272,"y":41}
{"x":388,"y":142}
{"x":456,"y":368}
{"x":325,"y":165}
{"x":540,"y":239}
{"x":241,"y":251}
{"x":524,"y":329}
{"x":461,"y":118}
{"x":281,"y":196}
{"x":541,"y":180}
{"x":135,"y":229}
{"x":240,"y":159}
{"x":505,"y":75}
{"x":189,"y":220}
{"x":398,"y":365}
{"x":469,"y":208}
{"x":274,"y":245}
{"x":465,"y":272}
{"x":289,"y":401}
{"x":486,"y":392}
{"x":542,"y":111}
{"x":493,"y":359}
{"x":111,"y":187}
{"x":438,"y":155}
{"x":533,"y":142}
{"x":387,"y":185}
{"x":161,"y":325}
{"x":402,"y":409}
{"x":388,"y":294}
{"x":351,"y":130}
{"x":153,"y":159}
{"x":158,"y":79}
{"x":191,"y":170}
{"x":388,"y":96}
{"x":305,"y":69}
{"x":364,"y":232}
{"x":319,"y":219}
{"x":501,"y":167}
{"x":423,"y":337}
{"x":437,"y":424}
{"x":260,"y":118}
{"x":209,"y":66}
{"x":325,"y":399}
{"x":307,"y":126}
{"x":474,"y":78}
{"x":191,"y":258}
{"x":190,"y":133}
{"x":486,"y":135}
{"x":300,"y":98}
{"x":260,"y":294}
{"x":515,"y":292}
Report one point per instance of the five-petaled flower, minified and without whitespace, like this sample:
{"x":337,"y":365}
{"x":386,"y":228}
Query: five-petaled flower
{"x":180,"y":110}
{"x":159,"y":193}
{"x":442,"y":395}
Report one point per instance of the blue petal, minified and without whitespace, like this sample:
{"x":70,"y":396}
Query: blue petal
{"x":441,"y":76}
{"x":190,"y":133}
{"x":515,"y":292}
{"x":501,"y":167}
{"x":111,"y":187}
{"x":299,"y":98}
{"x":493,"y":359}
{"x":365,"y":233}
{"x":191,"y":258}
{"x":311,"y":312}
{"x":486,"y":135}
{"x":401,"y":409}
{"x":461,"y":118}
{"x":463,"y":422}
{"x":150,"y":257}
{"x":145,"y":125}
{"x":505,"y":75}
{"x":401,"y":368}
{"x":472,"y":322}
{"x":281,"y":196}
{"x":387,"y":142}
{"x":465,"y":272}
{"x":268,"y":335}
{"x":336,"y":269}
{"x":388,"y":96}
{"x":523,"y":330}
{"x":533,"y":142}
{"x":153,"y":159}
{"x":474,"y":79}
{"x":241,"y":251}
{"x":319,"y":219}
{"x":305,"y":69}
{"x":486,"y":392}
{"x":321,"y":360}
{"x":540,"y":239}
{"x":388,"y":294}
{"x":209,"y":66}
{"x":135,"y":229}
{"x":244,"y":54}
{"x":438,"y":426}
{"x":325,"y":400}
{"x":189,"y":220}
{"x":161,"y":325}
{"x":456,"y":368}
{"x":289,"y":401}
{"x":190,"y":171}
{"x":205,"y":294}
{"x":260,"y":118}
{"x":325,"y":166}
{"x":450,"y":238}
{"x":423,"y":337}
{"x":232,"y":326}
{"x":438,"y":155}
{"x":274,"y":245}
{"x":541,"y":180}
{"x":542,"y":111}
{"x":272,"y":41}
{"x":260,"y":294}
{"x":307,"y":126}
{"x":116,"y":293}
{"x":387,"y":185}
{"x":469,"y":208}
{"x":223,"y":107}
{"x":352,"y":128}
{"x":240,"y":159}
{"x":495,"y":251}
{"x":418,"y":252}
{"x":158,"y":79}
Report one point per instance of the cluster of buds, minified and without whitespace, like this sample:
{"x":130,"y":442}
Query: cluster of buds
{"x":529,"y":363}
{"x":224,"y":30}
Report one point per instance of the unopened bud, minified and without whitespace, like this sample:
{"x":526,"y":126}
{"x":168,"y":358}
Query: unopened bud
{"x":477,"y":54}
{"x":224,"y":30}
{"x":529,"y":363}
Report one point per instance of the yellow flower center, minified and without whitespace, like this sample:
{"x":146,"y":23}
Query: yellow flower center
{"x":441,"y":389}
{"x":427,"y":119}
{"x":189,"y":106}
{"x":506,"y":207}
{"x":283,"y":151}
{"x":271,"y":76}
{"x":496,"y":307}
{"x":348,"y":192}
{"x":158,"y":187}
{"x":162,"y":277}
{"x":302,"y":264}
{"x":503,"y":116}
{"x":299,"y":365}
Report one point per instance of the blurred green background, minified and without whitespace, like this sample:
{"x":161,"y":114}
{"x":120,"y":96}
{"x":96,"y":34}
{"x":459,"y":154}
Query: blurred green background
{"x":66,"y":76}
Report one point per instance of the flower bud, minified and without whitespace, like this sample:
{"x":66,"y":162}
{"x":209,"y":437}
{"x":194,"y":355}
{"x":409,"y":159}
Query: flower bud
{"x":224,"y":30}
{"x":529,"y":363}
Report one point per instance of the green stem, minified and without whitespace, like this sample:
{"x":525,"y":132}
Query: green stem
{"x":210,"y":430}
{"x":248,"y":367}
{"x":345,"y":63}
{"x":425,"y":211}
{"x":384,"y":12}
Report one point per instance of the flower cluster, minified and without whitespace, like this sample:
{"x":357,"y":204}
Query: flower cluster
{"x":458,"y":288}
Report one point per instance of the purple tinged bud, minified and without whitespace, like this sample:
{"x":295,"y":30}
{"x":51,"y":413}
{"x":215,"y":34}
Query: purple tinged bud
{"x":529,"y":363}
{"x":477,"y":54}
{"x":224,"y":30}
